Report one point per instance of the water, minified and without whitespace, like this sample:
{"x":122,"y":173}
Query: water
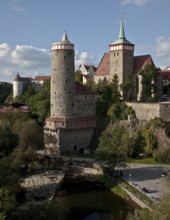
{"x":95,"y":205}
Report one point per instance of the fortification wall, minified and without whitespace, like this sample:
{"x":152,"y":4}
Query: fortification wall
{"x":85,"y":105}
{"x":75,"y":139}
{"x":147,"y":111}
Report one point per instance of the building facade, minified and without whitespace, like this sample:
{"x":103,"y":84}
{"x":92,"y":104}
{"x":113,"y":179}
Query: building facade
{"x":20,"y":84}
{"x":73,"y":118}
{"x":120,"y":60}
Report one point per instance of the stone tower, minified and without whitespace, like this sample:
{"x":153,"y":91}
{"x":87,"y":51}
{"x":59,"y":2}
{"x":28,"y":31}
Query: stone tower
{"x":121,"y":57}
{"x":62,"y":78}
{"x":73,"y":118}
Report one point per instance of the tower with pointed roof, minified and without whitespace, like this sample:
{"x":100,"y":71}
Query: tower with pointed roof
{"x":121,"y":57}
{"x":73,"y":118}
{"x":62,"y":78}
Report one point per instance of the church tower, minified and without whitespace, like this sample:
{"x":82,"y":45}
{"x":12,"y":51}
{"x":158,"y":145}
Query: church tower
{"x":121,"y":57}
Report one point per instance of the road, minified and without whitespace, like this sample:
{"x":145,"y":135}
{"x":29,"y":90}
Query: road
{"x":148,"y":177}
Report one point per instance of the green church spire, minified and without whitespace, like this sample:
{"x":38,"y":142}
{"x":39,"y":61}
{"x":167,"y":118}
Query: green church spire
{"x":121,"y":32}
{"x":122,"y":39}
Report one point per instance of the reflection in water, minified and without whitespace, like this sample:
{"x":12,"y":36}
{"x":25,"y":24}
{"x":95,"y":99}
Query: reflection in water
{"x":95,"y":205}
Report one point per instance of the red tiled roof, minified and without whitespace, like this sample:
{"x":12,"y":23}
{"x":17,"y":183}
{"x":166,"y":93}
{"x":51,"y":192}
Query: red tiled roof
{"x":141,"y":61}
{"x":104,"y":66}
{"x":42,"y":78}
{"x":71,"y":119}
{"x":83,"y":90}
{"x":165,"y":74}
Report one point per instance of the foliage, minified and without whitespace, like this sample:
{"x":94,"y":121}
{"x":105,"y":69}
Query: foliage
{"x":8,"y":140}
{"x":7,"y":204}
{"x":40,"y":103}
{"x":127,"y":87}
{"x":150,"y":76}
{"x":161,"y":211}
{"x":109,"y":96}
{"x":150,"y":142}
{"x":10,"y":118}
{"x":42,"y":211}
{"x":5,"y":90}
{"x":30,"y":134}
{"x":115,"y":146}
{"x":79,"y":77}
{"x":162,"y":155}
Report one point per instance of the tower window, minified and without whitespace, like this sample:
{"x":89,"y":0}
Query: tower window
{"x":117,"y":53}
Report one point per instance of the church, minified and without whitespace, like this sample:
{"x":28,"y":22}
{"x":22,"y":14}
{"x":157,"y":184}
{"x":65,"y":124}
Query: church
{"x":120,"y":60}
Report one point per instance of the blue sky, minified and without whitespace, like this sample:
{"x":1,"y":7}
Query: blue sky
{"x":29,"y":27}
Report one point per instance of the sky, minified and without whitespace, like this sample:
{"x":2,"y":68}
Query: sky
{"x":29,"y":27}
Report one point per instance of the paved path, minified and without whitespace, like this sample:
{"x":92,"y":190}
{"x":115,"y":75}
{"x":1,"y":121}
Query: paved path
{"x":149,"y":177}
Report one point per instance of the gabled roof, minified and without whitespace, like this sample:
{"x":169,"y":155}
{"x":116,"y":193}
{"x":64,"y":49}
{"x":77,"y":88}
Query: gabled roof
{"x":141,"y":61}
{"x":83,"y":90}
{"x":89,"y":67}
{"x":23,"y":79}
{"x":41,"y":78}
{"x":104,"y":65}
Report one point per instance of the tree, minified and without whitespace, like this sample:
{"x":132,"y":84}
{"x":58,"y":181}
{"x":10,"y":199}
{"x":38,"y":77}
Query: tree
{"x":127,"y":87}
{"x":159,"y":211}
{"x":150,"y":75}
{"x":7,"y":204}
{"x":8,"y":140}
{"x":40,"y":103}
{"x":79,"y":77}
{"x":115,"y":145}
{"x":30,"y":134}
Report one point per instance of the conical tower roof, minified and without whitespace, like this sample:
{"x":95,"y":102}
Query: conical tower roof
{"x":65,"y":38}
{"x":17,"y":78}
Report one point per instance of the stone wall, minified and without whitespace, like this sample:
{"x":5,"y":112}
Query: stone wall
{"x":147,"y":111}
{"x":85,"y":105}
{"x":62,"y":83}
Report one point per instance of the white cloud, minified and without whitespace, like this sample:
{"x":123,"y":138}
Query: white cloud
{"x":4,"y":49}
{"x":30,"y":57}
{"x":23,"y":59}
{"x":139,"y":3}
{"x":162,"y":48}
{"x":16,"y":5}
{"x":84,"y":58}
{"x":31,"y":61}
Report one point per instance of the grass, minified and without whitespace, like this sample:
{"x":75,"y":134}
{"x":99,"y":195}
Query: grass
{"x":113,"y":185}
{"x":147,"y":161}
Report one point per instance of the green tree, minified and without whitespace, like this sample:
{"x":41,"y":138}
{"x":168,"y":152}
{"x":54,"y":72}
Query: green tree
{"x":8,"y":140}
{"x":159,"y":211}
{"x":127,"y":87}
{"x":115,"y":145}
{"x":79,"y":77}
{"x":7,"y":204}
{"x":40,"y":103}
{"x":150,"y":142}
{"x":150,"y":80}
{"x":30,"y":134}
